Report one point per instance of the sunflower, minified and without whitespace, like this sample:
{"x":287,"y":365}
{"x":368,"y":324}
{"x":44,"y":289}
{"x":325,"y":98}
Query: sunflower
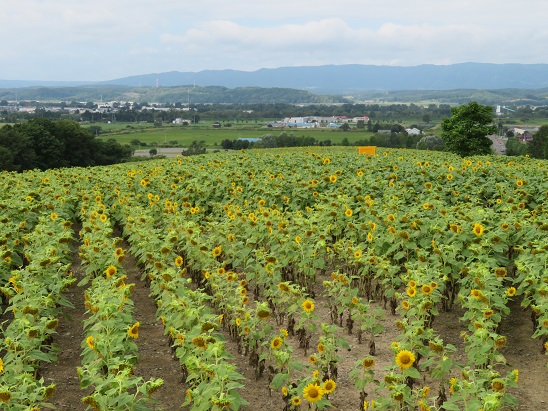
{"x":217,"y":251}
{"x":312,"y":359}
{"x":199,"y":342}
{"x":478,"y":229}
{"x":90,"y":341}
{"x":5,"y":396}
{"x":368,"y":363}
{"x":369,"y":237}
{"x":238,"y":321}
{"x":348,"y":212}
{"x":488,"y":313}
{"x":263,"y":314}
{"x":405,"y":359}
{"x":269,"y":268}
{"x":498,"y":385}
{"x":426,"y":289}
{"x":405,"y":305}
{"x":111,"y":271}
{"x":411,"y":291}
{"x":357,"y":254}
{"x":308,"y":306}
{"x":321,"y":348}
{"x":404,"y":235}
{"x":510,"y":292}
{"x":500,"y":272}
{"x":500,"y":342}
{"x":333,"y":178}
{"x":283,"y":287}
{"x":329,"y":386}
{"x":178,"y":261}
{"x":519,"y":183}
{"x":477,"y":294}
{"x":449,"y":176}
{"x":313,"y":393}
{"x":133,"y":331}
{"x":296,"y":401}
{"x":276,"y":343}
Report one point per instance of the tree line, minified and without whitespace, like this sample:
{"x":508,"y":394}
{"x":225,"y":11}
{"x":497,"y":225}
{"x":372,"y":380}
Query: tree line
{"x":43,"y":144}
{"x":235,"y":113}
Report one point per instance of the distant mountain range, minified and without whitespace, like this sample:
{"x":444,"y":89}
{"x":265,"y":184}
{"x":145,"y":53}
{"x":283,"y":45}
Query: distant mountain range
{"x":339,"y":79}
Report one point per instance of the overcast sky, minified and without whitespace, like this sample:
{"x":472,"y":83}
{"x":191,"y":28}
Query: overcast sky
{"x":109,"y":39}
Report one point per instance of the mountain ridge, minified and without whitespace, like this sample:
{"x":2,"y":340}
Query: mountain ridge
{"x":338,"y":79}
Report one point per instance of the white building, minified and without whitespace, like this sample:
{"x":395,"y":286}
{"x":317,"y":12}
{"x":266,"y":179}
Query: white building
{"x":413,"y":131}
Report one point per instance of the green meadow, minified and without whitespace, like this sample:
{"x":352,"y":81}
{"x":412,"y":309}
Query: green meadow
{"x":124,"y":133}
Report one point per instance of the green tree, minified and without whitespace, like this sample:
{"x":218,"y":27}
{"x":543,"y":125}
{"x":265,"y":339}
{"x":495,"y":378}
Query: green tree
{"x":538,"y":148}
{"x":431,"y":143}
{"x":514,"y":147}
{"x":465,"y":132}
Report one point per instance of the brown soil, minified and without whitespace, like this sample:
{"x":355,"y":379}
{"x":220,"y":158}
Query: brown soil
{"x":157,"y":361}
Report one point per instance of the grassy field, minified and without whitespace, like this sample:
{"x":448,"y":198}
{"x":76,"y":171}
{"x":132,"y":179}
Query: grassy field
{"x":184,"y":135}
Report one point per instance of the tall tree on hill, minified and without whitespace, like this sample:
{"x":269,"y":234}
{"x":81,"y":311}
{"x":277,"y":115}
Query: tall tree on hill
{"x":465,"y":132}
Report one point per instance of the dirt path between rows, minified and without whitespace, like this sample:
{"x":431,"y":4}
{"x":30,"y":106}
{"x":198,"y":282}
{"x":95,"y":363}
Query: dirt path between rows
{"x":63,"y":373}
{"x":156,"y":359}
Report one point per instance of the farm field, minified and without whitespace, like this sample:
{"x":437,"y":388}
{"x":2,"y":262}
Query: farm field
{"x":185,"y":135}
{"x":311,"y":278}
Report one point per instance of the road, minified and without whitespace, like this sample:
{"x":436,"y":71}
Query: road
{"x":499,"y":144}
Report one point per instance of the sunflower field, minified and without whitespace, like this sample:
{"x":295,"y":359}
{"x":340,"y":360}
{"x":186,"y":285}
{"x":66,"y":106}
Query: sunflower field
{"x":288,"y":261}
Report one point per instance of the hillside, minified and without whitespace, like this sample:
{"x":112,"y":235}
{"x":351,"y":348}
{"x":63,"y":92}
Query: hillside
{"x":182,"y":94}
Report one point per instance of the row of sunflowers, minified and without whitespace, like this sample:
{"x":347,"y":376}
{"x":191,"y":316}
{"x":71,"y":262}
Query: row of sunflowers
{"x":34,"y":273}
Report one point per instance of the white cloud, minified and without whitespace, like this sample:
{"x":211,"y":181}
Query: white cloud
{"x":104,"y":39}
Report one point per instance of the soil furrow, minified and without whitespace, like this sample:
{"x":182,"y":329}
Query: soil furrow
{"x":68,"y":395}
{"x":155,"y":356}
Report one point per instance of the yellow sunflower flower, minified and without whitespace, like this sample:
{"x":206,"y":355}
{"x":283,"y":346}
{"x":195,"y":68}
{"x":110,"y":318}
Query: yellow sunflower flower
{"x":405,"y":359}
{"x":313,"y":393}
{"x":478,"y":229}
{"x":133,"y":331}
{"x":308,"y":306}
{"x":329,"y":386}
